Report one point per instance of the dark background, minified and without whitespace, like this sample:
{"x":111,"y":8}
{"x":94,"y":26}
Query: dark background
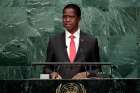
{"x":50,"y":86}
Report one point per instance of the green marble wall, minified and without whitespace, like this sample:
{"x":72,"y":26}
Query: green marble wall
{"x":25,"y":26}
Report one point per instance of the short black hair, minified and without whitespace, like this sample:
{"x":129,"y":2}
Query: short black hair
{"x":75,"y":7}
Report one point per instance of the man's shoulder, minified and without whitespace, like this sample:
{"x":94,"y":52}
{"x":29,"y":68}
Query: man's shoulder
{"x":87,"y":36}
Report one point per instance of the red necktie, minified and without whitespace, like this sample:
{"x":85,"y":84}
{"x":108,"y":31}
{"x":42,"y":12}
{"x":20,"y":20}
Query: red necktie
{"x":72,"y":49}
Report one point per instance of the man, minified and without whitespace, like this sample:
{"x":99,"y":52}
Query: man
{"x":71,"y":46}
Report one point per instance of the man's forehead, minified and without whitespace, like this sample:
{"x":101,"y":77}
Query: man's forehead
{"x":69,"y":9}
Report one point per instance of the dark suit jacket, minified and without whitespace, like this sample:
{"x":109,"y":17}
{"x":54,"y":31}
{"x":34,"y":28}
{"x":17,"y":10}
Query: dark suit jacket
{"x":88,"y":51}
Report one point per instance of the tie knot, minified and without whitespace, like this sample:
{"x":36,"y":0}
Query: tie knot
{"x":72,"y":37}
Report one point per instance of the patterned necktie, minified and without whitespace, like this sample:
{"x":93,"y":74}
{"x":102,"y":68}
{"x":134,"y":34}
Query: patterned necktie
{"x":72,"y":49}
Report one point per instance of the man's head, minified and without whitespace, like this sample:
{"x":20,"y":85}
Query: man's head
{"x":71,"y":17}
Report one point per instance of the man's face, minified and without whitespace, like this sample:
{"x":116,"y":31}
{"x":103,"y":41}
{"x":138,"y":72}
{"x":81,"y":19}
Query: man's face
{"x":70,"y":20}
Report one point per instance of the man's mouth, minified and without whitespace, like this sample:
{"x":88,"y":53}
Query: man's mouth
{"x":67,"y":24}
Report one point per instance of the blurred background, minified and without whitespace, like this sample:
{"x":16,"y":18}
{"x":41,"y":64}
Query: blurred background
{"x":26,"y":25}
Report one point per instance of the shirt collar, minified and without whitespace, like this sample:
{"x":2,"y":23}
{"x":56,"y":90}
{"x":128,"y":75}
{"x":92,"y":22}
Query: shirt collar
{"x":76,"y":34}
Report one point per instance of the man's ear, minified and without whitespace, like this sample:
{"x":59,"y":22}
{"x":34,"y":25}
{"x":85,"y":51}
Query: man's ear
{"x":79,"y":18}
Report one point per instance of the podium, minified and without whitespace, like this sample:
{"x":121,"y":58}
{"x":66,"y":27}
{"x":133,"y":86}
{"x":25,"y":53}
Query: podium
{"x":91,"y":67}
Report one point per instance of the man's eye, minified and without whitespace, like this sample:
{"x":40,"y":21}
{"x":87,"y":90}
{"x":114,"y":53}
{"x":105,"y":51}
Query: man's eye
{"x":71,"y":16}
{"x":68,"y":16}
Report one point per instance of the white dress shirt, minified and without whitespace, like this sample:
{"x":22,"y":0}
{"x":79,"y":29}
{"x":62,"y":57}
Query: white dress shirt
{"x":76,"y":39}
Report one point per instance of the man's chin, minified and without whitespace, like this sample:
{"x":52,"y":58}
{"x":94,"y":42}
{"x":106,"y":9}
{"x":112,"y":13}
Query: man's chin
{"x":69,"y":29}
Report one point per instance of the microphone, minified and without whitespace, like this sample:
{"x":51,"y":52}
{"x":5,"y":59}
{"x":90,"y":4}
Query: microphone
{"x":66,"y":46}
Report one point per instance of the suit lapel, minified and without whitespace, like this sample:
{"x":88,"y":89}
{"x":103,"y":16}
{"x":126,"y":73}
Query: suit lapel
{"x":64,"y":47}
{"x":80,"y":52}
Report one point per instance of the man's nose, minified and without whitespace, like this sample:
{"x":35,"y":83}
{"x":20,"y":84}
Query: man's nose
{"x":67,"y":19}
